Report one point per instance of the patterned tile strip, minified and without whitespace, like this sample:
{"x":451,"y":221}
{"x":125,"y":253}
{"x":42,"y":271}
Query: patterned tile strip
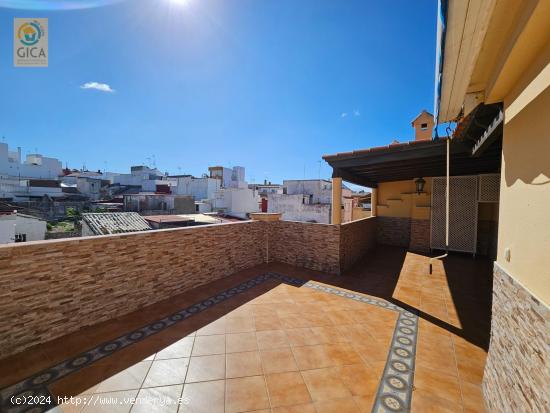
{"x":395,"y":389}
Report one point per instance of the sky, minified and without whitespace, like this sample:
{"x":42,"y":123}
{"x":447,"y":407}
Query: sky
{"x":271,"y":85}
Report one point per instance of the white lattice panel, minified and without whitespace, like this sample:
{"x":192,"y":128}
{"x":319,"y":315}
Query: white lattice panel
{"x":489,"y":187}
{"x":462,"y":213}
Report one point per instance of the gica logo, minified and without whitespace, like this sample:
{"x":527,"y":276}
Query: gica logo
{"x":29,"y":34}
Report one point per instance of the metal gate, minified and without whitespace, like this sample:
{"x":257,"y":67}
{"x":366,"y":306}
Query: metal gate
{"x":463,"y":204}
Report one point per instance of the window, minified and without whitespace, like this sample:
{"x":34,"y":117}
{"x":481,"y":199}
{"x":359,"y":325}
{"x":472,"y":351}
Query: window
{"x":423,"y":126}
{"x":20,"y":237}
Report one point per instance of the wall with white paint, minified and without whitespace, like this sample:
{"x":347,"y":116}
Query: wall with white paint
{"x":297,"y":208}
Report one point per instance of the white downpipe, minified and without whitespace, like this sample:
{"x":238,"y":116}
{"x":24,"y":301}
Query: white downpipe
{"x":447,"y":191}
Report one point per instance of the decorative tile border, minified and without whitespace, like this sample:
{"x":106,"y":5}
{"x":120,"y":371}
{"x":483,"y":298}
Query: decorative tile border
{"x":394,"y":392}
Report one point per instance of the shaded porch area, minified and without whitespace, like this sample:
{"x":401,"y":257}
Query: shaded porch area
{"x":277,"y":338}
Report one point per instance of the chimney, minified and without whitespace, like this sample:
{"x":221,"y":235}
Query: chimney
{"x":423,"y":126}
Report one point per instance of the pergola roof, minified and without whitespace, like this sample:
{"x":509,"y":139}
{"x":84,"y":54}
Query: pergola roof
{"x":403,"y":161}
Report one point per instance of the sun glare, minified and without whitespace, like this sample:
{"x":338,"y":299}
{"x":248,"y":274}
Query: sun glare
{"x":179,"y":2}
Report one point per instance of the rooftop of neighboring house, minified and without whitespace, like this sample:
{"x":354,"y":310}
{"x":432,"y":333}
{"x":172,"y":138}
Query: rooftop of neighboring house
{"x":115,"y":222}
{"x":198,"y":218}
{"x":6,"y":208}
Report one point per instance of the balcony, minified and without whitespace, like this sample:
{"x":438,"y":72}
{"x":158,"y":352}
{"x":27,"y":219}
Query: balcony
{"x":241,"y":317}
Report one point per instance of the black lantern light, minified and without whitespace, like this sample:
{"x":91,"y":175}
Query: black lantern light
{"x":420,"y":182}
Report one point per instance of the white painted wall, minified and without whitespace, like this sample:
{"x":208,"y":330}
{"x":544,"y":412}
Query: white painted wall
{"x":320,"y":189}
{"x":89,"y":186}
{"x":296,"y":208}
{"x":34,"y":228}
{"x":198,"y":188}
{"x":12,"y":224}
{"x":150,"y":185}
{"x":35,"y":166}
{"x":237,"y":201}
{"x":203,"y":207}
{"x":18,"y":189}
{"x":7,"y":228}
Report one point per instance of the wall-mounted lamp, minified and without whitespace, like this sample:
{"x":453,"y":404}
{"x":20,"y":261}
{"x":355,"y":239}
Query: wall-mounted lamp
{"x":420,"y":182}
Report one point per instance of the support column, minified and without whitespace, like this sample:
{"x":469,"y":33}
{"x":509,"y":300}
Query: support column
{"x":373,"y":201}
{"x":336,"y":201}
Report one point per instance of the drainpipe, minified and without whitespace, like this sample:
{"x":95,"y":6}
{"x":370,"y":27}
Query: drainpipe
{"x":447,"y":186}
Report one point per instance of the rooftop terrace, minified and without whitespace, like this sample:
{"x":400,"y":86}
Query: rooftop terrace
{"x":286,"y":317}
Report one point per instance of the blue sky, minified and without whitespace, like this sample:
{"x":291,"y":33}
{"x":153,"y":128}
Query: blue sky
{"x":271,"y":85}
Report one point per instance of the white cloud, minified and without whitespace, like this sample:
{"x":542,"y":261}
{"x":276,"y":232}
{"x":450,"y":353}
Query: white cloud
{"x":103,"y":87}
{"x":344,"y":114}
{"x":356,"y":113}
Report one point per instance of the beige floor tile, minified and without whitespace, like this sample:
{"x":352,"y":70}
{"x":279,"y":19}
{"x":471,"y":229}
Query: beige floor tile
{"x":246,"y":394}
{"x":216,"y":327}
{"x":128,"y":379}
{"x":208,"y":345}
{"x":204,"y":397}
{"x":267,"y":322}
{"x":287,"y":389}
{"x":329,"y":334}
{"x":240,"y":325}
{"x":158,"y":400}
{"x":360,"y":379}
{"x":205,"y":368}
{"x":113,"y":402}
{"x":325,"y":384}
{"x":443,"y":385}
{"x":166,"y":372}
{"x":312,"y":357}
{"x":365,"y":403}
{"x":303,"y":337}
{"x":299,"y":408}
{"x":428,"y":402}
{"x":337,"y":406}
{"x":271,"y":339}
{"x":278,"y":360}
{"x":181,"y":348}
{"x":239,"y":342}
{"x":472,"y":397}
{"x":243,"y":364}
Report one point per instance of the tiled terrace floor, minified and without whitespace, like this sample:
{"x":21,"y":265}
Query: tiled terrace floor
{"x":280,"y":347}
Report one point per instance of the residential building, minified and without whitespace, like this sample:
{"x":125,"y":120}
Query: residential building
{"x":199,"y":188}
{"x":178,"y":221}
{"x":70,"y":177}
{"x":308,"y":200}
{"x":298,"y":207}
{"x":238,"y":202}
{"x":267,"y":188}
{"x":223,"y":174}
{"x":35,"y":165}
{"x":361,"y":205}
{"x":140,"y":175}
{"x":95,"y":189}
{"x":156,"y":203}
{"x":18,"y":227}
{"x":24,"y":190}
{"x":202,"y":207}
{"x":112,"y":223}
{"x":229,"y":177}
